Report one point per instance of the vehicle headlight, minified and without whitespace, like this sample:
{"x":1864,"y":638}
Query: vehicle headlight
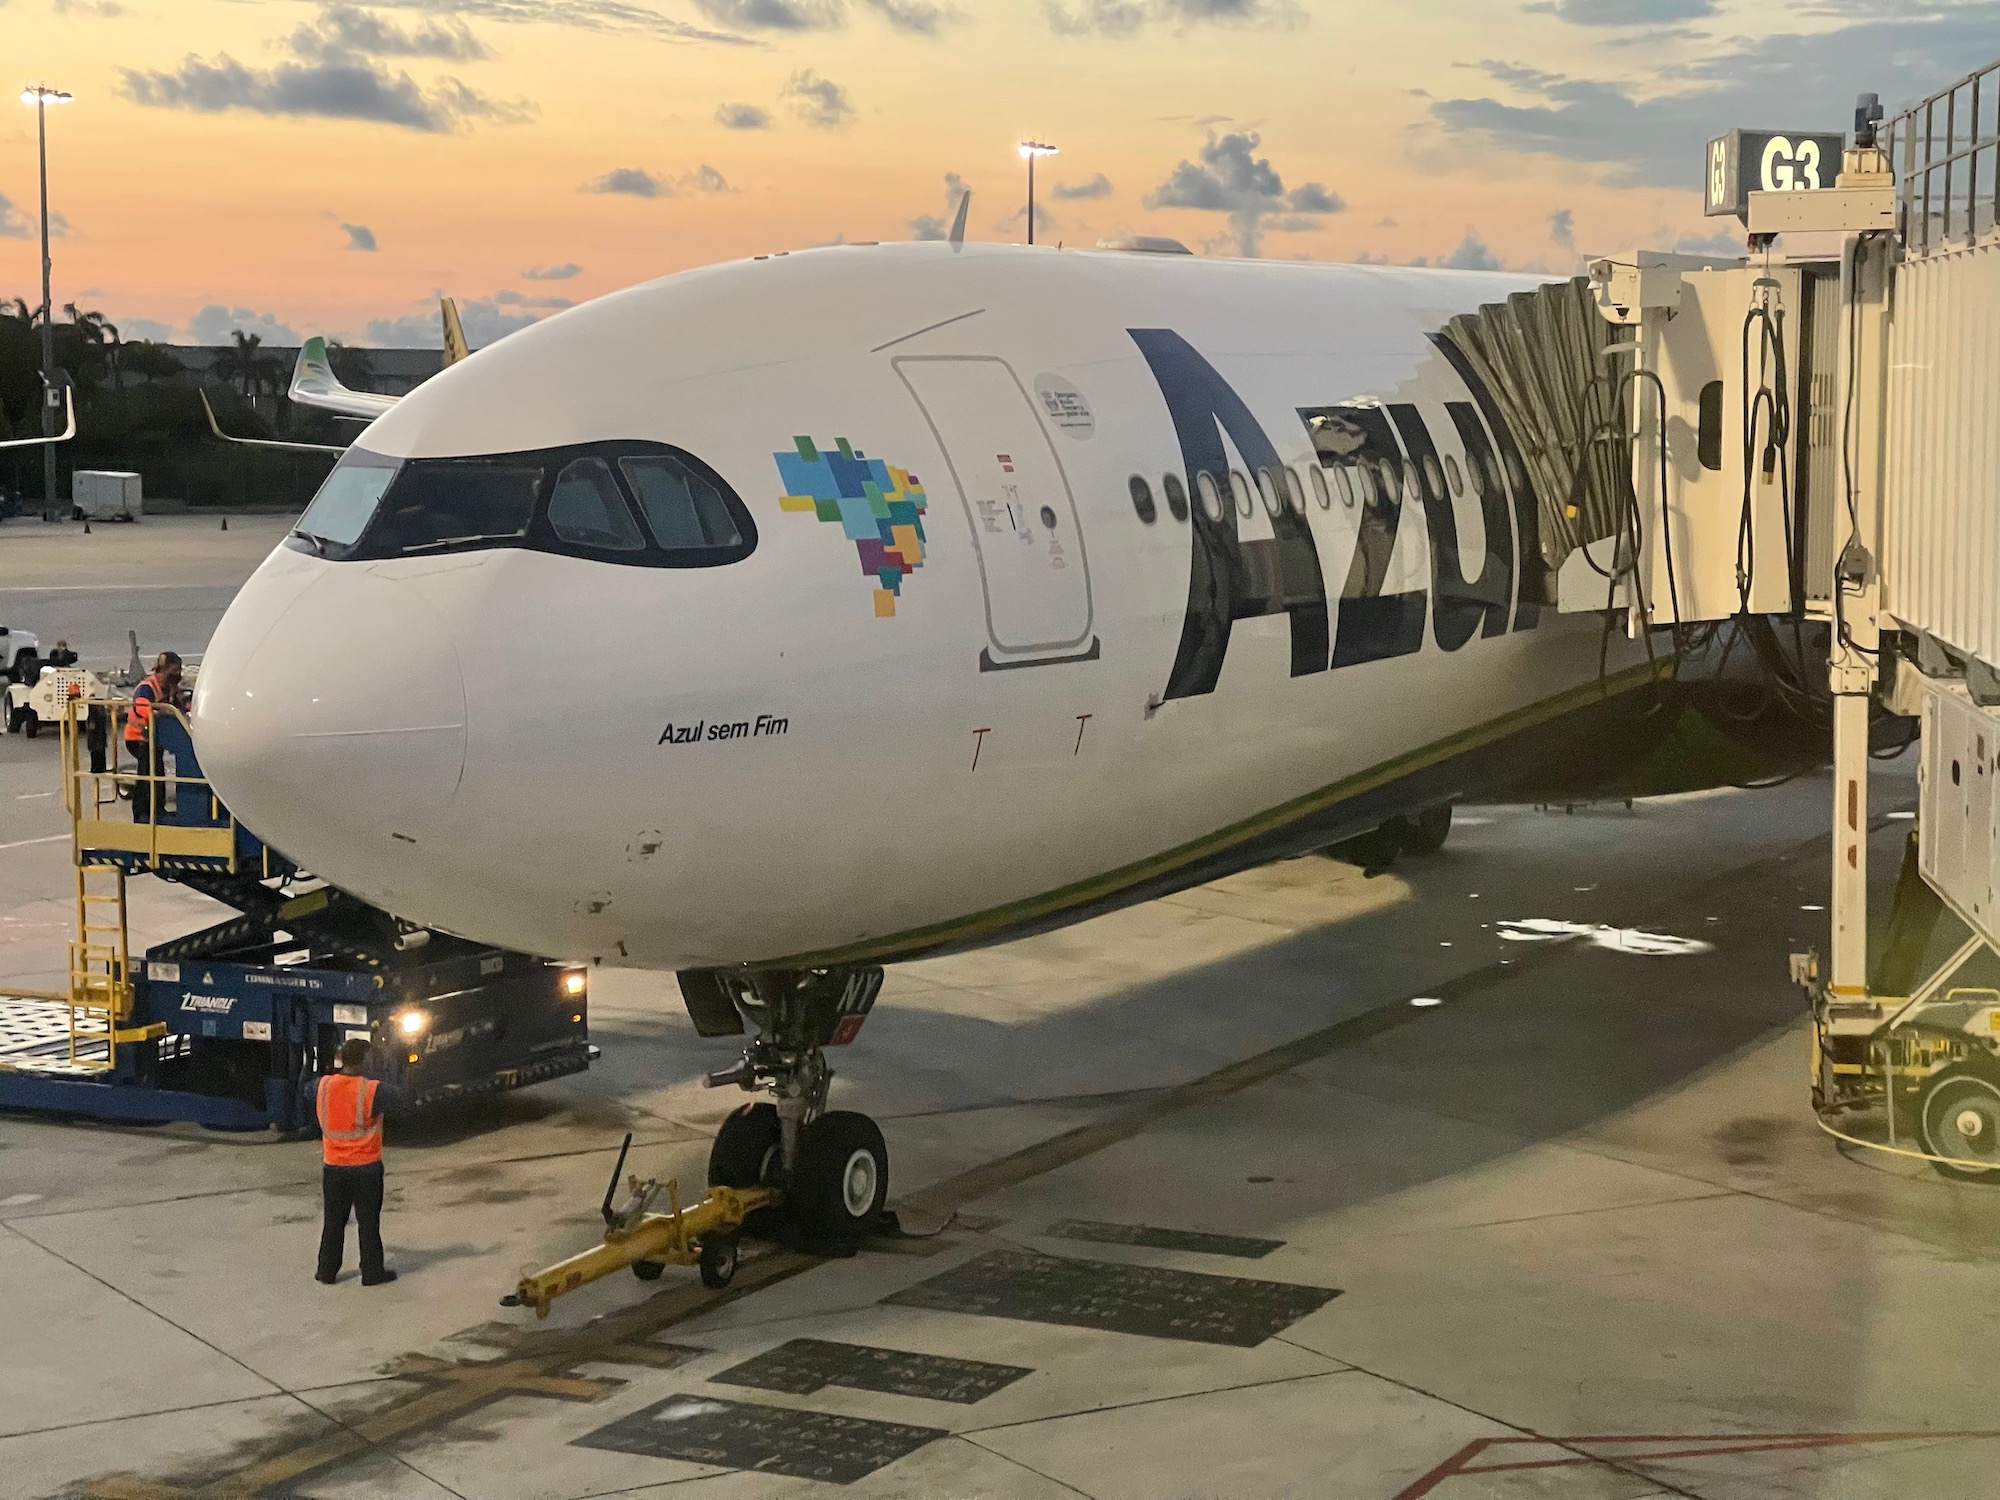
{"x":574,"y":983}
{"x":412,"y":1023}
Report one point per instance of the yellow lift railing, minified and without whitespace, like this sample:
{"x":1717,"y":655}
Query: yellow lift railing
{"x":98,"y":1001}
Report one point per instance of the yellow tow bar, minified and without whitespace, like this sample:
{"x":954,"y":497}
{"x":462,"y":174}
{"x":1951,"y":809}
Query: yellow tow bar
{"x":704,"y":1235}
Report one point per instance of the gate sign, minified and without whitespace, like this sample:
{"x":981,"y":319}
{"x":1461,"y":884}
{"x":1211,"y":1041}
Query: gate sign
{"x":1769,"y":161}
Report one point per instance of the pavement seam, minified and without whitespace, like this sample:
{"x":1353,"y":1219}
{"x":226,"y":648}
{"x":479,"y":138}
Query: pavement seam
{"x":383,"y":1448}
{"x":1662,"y":1486}
{"x":1220,"y":1390}
{"x":1008,"y":1458}
{"x":122,"y":1295}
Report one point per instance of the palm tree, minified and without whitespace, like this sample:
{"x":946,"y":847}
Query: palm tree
{"x":351,"y":366}
{"x":151,"y":361}
{"x":238,"y":364}
{"x":94,"y":331}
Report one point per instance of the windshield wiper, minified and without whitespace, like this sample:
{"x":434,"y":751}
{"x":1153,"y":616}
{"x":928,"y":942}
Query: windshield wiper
{"x":455,"y":541}
{"x":319,"y":543}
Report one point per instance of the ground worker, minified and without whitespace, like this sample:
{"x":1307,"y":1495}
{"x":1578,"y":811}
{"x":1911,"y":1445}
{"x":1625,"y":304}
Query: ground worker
{"x":350,"y":1110}
{"x":62,"y":656}
{"x":161,"y":685}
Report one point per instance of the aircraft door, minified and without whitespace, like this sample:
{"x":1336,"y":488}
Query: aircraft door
{"x":1017,"y":501}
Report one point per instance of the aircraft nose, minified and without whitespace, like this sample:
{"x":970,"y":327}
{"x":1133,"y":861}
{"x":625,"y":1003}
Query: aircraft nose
{"x":334,"y":721}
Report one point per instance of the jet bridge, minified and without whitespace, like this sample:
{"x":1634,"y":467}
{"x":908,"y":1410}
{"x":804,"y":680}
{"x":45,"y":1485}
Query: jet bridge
{"x":225,"y":1027}
{"x":1812,"y":446}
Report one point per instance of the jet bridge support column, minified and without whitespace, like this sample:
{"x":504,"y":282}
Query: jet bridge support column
{"x":1855,"y":640}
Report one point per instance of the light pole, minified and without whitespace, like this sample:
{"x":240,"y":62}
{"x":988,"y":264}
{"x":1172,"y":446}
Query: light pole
{"x":42,"y":96}
{"x":1029,"y":151}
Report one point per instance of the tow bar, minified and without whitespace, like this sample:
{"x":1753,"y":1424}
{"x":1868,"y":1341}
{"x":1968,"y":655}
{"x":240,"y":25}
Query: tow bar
{"x":704,"y":1235}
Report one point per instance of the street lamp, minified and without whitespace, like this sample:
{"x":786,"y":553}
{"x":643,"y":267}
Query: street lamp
{"x":1029,"y":151}
{"x":42,"y":96}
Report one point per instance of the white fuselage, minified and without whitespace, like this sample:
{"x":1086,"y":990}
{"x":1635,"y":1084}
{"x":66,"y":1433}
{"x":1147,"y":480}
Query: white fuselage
{"x":544,"y":751}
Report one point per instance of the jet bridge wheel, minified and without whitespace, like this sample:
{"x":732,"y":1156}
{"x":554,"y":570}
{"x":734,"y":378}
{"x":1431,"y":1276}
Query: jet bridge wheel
{"x":840,"y":1181}
{"x":1960,"y":1118}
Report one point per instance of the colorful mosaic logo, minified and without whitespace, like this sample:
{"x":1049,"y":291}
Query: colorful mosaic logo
{"x":878,"y":506}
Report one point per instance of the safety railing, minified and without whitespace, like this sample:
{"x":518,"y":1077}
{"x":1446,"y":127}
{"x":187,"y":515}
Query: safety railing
{"x":174,"y":817}
{"x":1946,"y":151}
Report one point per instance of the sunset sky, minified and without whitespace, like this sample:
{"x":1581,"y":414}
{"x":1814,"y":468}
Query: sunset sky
{"x":292,"y":167}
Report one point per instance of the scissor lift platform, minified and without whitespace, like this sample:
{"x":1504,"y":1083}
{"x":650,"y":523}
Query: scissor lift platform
{"x":227,"y":1027}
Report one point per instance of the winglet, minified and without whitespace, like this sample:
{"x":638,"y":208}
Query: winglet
{"x":958,"y":224}
{"x":315,"y":384}
{"x":68,"y":432}
{"x":216,"y":428}
{"x":455,"y":347}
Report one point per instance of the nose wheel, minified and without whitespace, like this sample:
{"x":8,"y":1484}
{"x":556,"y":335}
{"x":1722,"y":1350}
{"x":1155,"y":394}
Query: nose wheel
{"x":830,"y":1167}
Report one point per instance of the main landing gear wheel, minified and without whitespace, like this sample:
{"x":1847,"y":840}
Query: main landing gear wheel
{"x":1427,"y":831}
{"x":840,"y":1181}
{"x":649,"y":1270}
{"x":1960,"y":1118}
{"x":749,"y":1152}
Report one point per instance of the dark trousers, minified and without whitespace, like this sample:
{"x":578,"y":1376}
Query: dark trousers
{"x":356,"y":1191}
{"x":142,"y":791}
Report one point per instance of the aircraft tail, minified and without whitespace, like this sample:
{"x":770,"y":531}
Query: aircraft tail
{"x":455,"y":347}
{"x":315,"y":384}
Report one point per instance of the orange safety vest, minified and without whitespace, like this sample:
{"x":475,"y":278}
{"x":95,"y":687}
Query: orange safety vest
{"x":350,"y":1131}
{"x":142,"y":709}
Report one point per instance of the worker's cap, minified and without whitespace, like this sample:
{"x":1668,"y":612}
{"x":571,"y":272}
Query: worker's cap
{"x":353,"y":1052}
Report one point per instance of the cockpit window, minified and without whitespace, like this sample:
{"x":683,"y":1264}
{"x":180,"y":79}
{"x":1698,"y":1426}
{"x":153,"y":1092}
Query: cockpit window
{"x":685,"y":511}
{"x":345,"y":502}
{"x":442,"y":503}
{"x":623,"y":501}
{"x":586,"y":508}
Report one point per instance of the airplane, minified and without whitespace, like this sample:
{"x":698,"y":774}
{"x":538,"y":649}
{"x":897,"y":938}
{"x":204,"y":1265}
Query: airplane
{"x":778,"y":620}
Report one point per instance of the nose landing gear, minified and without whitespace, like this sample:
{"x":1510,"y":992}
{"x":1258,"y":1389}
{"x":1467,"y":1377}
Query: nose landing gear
{"x":831,"y":1167}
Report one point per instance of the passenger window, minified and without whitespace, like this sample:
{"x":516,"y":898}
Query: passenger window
{"x":1343,"y":480}
{"x":1239,"y":489}
{"x":1211,"y":495}
{"x":1142,"y":500}
{"x":1320,"y":491}
{"x":1453,"y":476}
{"x":685,"y":512}
{"x":1267,"y":486}
{"x":455,"y":502}
{"x":586,"y":510}
{"x":1176,"y":496}
{"x":1364,"y":485}
{"x":1295,"y":492}
{"x":1388,"y":482}
{"x":1433,"y":477}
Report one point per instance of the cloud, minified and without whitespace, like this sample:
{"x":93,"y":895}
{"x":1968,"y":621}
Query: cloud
{"x":1230,"y":179}
{"x":637,"y":182}
{"x":562,"y":272}
{"x":359,"y":237}
{"x":1656,"y":137}
{"x":511,"y":298}
{"x":633,"y":182}
{"x":102,"y":8}
{"x":352,"y":89}
{"x":1625,"y":12}
{"x":14,"y":225}
{"x":131,"y":329}
{"x":341,"y":32}
{"x":485,"y":319}
{"x":1724,"y":242}
{"x":215,"y":323}
{"x":1095,"y":186}
{"x":613,"y":16}
{"x":742,"y":117}
{"x":818,"y":101}
{"x":1472,"y":254}
{"x":938,"y":226}
{"x":1046,"y":223}
{"x":775,"y":15}
{"x":1562,"y":227}
{"x":917,"y":17}
{"x":1119,"y":18}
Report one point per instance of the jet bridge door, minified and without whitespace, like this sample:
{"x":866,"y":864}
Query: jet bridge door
{"x":1017,"y":502}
